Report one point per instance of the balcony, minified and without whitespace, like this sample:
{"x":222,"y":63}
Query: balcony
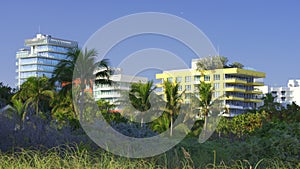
{"x":235,"y":107}
{"x":198,"y":82}
{"x":234,"y":98}
{"x":253,"y":100}
{"x":255,"y":83}
{"x":108,"y":95}
{"x":234,"y":89}
{"x":235,"y":81}
{"x":254,"y":92}
{"x":228,"y":115}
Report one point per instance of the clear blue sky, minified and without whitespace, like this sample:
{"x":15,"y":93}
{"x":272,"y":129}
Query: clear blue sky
{"x":264,"y":35}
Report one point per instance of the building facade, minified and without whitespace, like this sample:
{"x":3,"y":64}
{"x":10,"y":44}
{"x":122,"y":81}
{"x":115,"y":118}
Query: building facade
{"x":284,"y":94}
{"x":40,"y":58}
{"x":234,"y":83}
{"x":112,"y":93}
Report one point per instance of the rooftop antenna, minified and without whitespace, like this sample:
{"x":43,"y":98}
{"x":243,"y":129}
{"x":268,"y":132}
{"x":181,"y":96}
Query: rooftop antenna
{"x":39,"y":29}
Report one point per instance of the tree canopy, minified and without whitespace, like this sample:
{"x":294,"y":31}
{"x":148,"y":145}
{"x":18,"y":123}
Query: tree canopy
{"x":216,"y":62}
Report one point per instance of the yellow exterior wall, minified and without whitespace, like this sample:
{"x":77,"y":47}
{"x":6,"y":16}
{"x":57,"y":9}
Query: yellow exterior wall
{"x":241,"y":82}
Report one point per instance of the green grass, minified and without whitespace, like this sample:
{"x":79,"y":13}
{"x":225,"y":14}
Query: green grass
{"x":79,"y":157}
{"x":68,"y":158}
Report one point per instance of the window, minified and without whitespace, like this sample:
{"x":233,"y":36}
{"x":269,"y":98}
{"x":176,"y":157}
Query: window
{"x":51,"y":48}
{"x":216,"y":94}
{"x":52,"y":55}
{"x":169,"y":79}
{"x":27,"y":74}
{"x":206,"y":78}
{"x":179,"y":88}
{"x":216,"y":77}
{"x":188,"y":79}
{"x":188,"y":87}
{"x":178,"y":79}
{"x":216,"y":85}
{"x":283,"y":92}
{"x":28,"y":68}
{"x":28,"y":61}
{"x":283,"y":98}
{"x":197,"y":78}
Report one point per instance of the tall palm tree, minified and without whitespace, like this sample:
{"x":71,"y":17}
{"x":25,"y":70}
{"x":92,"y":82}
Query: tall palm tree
{"x":86,"y":65}
{"x":205,"y":89}
{"x":139,"y":96}
{"x":36,"y":93}
{"x":205,"y":98}
{"x":82,"y":66}
{"x":174,"y":99}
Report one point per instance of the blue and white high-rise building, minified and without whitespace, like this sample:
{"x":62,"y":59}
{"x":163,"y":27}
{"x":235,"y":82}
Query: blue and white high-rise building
{"x":41,"y":56}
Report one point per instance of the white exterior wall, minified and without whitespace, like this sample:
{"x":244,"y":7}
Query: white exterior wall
{"x":285,"y":95}
{"x":41,"y":56}
{"x":112,"y":93}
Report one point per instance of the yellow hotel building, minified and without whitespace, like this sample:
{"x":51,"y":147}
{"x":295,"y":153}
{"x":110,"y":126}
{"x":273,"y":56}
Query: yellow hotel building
{"x":234,"y":83}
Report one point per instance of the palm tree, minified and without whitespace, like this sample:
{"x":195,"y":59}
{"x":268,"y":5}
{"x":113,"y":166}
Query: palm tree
{"x":161,"y":124}
{"x":205,"y":98}
{"x":224,"y":60}
{"x":269,"y":103}
{"x":19,"y":108}
{"x":6,"y":93}
{"x":292,"y":112}
{"x":105,"y":106}
{"x":139,"y":96}
{"x":81,"y":68}
{"x":236,"y":65}
{"x":86,"y":65}
{"x":35,"y":93}
{"x":174,"y":99}
{"x":63,"y":108}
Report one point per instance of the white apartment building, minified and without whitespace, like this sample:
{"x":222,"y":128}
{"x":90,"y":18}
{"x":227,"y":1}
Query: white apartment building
{"x":113,"y":93}
{"x":41,"y":56}
{"x":285,"y":94}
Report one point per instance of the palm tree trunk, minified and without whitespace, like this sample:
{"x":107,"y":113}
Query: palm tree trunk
{"x":37,"y":107}
{"x":142,"y":121}
{"x":74,"y":111}
{"x":81,"y":105}
{"x":171,"y":127}
{"x":205,"y":125}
